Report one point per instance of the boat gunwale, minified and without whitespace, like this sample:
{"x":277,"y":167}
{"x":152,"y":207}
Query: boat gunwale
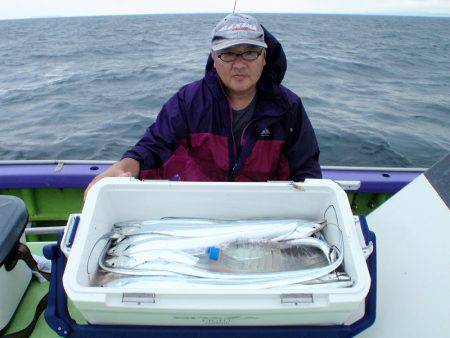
{"x":325,"y":167}
{"x":19,"y":174}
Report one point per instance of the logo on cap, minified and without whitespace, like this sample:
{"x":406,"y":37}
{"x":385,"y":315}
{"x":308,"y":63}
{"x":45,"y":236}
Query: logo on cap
{"x":243,"y":26}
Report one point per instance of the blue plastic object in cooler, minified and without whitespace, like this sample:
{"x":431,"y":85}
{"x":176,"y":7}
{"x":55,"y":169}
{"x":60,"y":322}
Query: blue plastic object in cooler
{"x":58,"y":317}
{"x":214,"y":253}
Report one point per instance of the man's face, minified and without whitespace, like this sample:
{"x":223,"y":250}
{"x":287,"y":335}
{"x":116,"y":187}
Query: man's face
{"x":239,"y":75}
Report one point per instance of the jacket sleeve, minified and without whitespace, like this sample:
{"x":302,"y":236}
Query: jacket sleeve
{"x":162,"y":138}
{"x":303,"y":152}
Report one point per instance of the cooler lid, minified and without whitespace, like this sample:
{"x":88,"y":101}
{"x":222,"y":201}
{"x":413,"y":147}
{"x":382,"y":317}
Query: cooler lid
{"x":13,"y":219}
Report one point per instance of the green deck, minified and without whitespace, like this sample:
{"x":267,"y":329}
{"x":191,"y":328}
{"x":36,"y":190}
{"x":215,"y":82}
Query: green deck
{"x":49,"y":204}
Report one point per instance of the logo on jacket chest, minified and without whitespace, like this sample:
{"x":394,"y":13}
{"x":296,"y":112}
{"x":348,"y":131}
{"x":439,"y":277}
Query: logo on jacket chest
{"x":265,"y":133}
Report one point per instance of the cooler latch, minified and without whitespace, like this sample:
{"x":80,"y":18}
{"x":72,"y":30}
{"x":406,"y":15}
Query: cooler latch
{"x":139,"y":298}
{"x":297,"y":298}
{"x":367,"y":250}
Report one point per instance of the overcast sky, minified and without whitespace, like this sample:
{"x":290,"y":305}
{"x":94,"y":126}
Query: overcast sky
{"x":17,"y":9}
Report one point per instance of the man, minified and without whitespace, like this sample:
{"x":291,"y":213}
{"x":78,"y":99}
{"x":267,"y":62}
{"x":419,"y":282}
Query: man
{"x":238,"y":123}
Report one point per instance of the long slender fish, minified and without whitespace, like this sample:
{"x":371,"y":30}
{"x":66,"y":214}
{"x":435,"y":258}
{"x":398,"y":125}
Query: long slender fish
{"x":254,"y":231}
{"x":134,"y":227}
{"x":134,"y":261}
{"x":192,"y":270}
{"x":203,"y":229}
{"x":169,"y":251}
{"x":174,"y":282}
{"x":268,"y":279}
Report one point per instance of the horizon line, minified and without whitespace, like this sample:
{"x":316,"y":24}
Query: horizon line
{"x":429,"y":15}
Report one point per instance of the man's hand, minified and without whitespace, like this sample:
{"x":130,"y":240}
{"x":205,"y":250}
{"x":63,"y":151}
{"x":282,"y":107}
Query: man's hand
{"x":126,"y":167}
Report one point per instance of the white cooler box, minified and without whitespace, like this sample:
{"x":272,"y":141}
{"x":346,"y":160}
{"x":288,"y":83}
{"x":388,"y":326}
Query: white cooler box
{"x":120,"y":199}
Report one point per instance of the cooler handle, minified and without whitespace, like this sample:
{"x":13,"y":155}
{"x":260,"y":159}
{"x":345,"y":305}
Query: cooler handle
{"x":69,"y":233}
{"x":362,"y":230}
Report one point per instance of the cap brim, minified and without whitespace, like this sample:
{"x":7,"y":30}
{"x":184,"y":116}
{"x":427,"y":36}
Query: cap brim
{"x":230,"y":43}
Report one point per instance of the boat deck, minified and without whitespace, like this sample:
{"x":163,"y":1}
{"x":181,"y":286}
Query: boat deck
{"x":53,"y":189}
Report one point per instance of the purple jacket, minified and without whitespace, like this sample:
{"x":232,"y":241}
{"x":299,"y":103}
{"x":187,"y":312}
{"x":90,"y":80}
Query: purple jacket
{"x":192,"y":136}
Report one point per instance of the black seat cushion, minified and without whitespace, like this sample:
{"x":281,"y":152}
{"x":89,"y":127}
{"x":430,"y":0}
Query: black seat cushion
{"x":13,"y":219}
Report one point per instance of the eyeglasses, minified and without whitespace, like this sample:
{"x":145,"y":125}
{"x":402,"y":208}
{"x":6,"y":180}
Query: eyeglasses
{"x":250,"y":55}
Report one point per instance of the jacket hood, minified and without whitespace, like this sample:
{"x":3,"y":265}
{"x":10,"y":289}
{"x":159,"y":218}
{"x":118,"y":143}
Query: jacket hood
{"x":274,"y":70}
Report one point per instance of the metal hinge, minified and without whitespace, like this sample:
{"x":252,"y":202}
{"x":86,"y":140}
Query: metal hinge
{"x":297,"y":298}
{"x":139,"y":298}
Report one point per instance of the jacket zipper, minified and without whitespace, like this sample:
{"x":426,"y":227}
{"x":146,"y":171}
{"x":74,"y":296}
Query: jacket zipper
{"x":232,"y":133}
{"x":242,"y":141}
{"x":234,"y":157}
{"x":243,"y":132}
{"x":230,"y":111}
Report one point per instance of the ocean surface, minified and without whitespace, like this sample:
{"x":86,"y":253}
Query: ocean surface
{"x":376,"y":88}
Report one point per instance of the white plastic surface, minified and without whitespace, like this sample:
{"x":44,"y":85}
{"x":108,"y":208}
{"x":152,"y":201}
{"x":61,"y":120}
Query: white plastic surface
{"x":413,"y":297}
{"x":121,"y":199}
{"x":13,"y":285}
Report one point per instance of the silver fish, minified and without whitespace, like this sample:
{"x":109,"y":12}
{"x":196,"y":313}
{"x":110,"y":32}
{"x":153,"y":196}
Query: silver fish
{"x":170,"y":251}
{"x":132,"y":227}
{"x":265,"y":280}
{"x":192,"y":270}
{"x":256,"y":231}
{"x":204,"y":229}
{"x":160,"y":256}
{"x":119,"y":247}
{"x":330,"y":278}
{"x":177,"y":282}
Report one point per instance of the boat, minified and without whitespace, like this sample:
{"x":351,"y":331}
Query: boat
{"x":53,"y":189}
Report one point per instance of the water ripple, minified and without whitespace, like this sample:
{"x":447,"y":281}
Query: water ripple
{"x":376,"y":88}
